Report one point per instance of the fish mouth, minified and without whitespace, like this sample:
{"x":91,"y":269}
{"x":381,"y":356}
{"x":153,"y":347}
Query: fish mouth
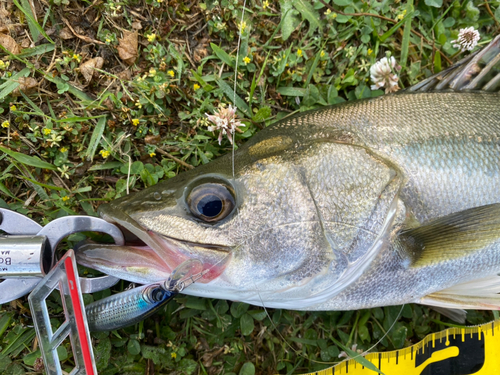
{"x":148,"y":256}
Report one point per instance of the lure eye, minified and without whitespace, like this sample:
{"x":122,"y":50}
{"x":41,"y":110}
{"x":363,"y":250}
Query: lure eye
{"x":210,"y":202}
{"x":158,"y":295}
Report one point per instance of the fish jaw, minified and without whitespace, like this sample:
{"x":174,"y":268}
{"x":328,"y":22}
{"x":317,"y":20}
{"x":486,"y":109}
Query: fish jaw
{"x":152,"y":262}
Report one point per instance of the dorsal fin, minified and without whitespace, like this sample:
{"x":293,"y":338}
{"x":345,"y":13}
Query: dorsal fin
{"x":479,"y":71}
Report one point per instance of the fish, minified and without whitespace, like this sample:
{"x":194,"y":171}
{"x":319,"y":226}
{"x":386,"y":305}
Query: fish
{"x":377,"y":202}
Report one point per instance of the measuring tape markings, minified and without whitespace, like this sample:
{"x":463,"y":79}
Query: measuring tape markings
{"x":454,"y":351}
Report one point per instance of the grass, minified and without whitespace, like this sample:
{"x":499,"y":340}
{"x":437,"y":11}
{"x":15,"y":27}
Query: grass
{"x":101,"y":98}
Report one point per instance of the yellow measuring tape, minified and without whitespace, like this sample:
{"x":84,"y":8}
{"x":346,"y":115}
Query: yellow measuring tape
{"x":454,"y":351}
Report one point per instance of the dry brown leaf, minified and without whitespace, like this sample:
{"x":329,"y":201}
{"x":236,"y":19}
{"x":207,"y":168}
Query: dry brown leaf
{"x":208,"y":357}
{"x":137,"y":25}
{"x":26,"y":85}
{"x":199,"y":52}
{"x":127,"y":48}
{"x":152,"y":139}
{"x":88,"y":67}
{"x":126,"y":75}
{"x":66,"y":33}
{"x":25,"y":43}
{"x":9,"y":44}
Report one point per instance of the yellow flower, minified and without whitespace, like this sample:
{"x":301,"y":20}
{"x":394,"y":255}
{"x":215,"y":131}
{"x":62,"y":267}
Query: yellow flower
{"x":63,"y":149}
{"x":13,"y":108}
{"x":108,"y":40}
{"x":135,"y":121}
{"x":47,"y":131}
{"x":104,"y":153}
{"x":138,"y":104}
{"x":370,"y":51}
{"x":171,"y":73}
{"x":152,"y":154}
{"x":5,"y":124}
{"x":334,"y":15}
{"x":243,"y":26}
{"x":4,"y":65}
{"x":196,"y":87}
{"x":152,"y":72}
{"x":246,"y":60}
{"x":151,"y":38}
{"x":77,"y":57}
{"x":328,"y":11}
{"x":173,"y":355}
{"x":265,"y":4}
{"x":322,"y":54}
{"x":299,"y":52}
{"x":65,"y":199}
{"x":401,"y":15}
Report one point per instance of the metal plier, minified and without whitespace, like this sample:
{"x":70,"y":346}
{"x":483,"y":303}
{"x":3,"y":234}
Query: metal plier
{"x":27,"y":251}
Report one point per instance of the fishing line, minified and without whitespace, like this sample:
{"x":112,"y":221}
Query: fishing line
{"x":298,"y":353}
{"x":240,"y":31}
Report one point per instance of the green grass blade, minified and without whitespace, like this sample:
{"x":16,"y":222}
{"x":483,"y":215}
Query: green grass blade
{"x":393,"y":29}
{"x":35,"y":33}
{"x":38,"y":50}
{"x":405,"y":44}
{"x":78,"y":119}
{"x":108,"y":165}
{"x":4,"y":323}
{"x":32,"y":22}
{"x":20,"y":341}
{"x":437,"y":62}
{"x":237,"y":101}
{"x":11,"y":84}
{"x":222,"y":55}
{"x":357,"y":357}
{"x":291,"y":91}
{"x":312,"y":69}
{"x":96,"y":137}
{"x":72,"y":89}
{"x":6,"y":191}
{"x":37,"y":110}
{"x":309,"y":13}
{"x":28,"y":160}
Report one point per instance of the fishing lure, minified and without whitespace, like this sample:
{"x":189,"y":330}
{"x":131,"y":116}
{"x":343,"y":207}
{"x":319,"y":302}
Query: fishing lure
{"x":134,"y":305}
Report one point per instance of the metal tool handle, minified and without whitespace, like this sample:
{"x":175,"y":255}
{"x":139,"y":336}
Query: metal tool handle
{"x":23,"y":256}
{"x":32,"y":255}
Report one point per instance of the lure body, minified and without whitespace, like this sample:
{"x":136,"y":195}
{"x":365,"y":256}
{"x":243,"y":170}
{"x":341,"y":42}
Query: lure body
{"x":126,"y":308}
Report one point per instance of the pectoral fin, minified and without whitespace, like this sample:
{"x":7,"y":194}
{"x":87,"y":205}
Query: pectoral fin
{"x":450,"y":237}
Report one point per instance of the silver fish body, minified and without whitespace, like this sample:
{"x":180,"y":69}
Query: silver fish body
{"x":377,"y":202}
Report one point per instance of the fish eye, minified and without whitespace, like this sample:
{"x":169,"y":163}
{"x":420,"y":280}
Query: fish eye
{"x":210,"y":202}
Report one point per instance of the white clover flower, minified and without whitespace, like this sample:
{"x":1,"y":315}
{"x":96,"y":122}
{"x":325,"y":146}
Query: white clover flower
{"x":383,"y":74}
{"x":225,"y":121}
{"x":467,"y":39}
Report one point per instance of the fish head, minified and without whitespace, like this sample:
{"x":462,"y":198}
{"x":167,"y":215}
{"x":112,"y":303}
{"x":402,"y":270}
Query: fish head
{"x":292,"y":219}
